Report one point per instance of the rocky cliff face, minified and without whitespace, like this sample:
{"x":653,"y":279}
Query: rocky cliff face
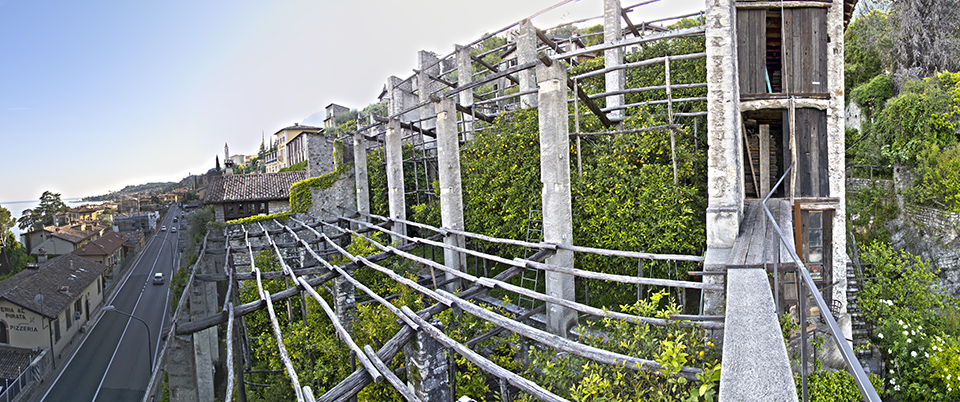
{"x":929,"y":233}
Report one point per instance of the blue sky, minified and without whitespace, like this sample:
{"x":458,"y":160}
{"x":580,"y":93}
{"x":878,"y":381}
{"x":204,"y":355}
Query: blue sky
{"x":96,"y":95}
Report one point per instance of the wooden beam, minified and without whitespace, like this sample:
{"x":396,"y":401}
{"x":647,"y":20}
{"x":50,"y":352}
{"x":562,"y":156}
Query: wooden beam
{"x":590,"y":103}
{"x":470,"y":110}
{"x":492,"y":68}
{"x":633,"y":28}
{"x":781,"y":4}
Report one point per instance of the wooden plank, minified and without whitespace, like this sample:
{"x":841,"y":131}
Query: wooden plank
{"x":824,"y":172}
{"x":751,"y":44}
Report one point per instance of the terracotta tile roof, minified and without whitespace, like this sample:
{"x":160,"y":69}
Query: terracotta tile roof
{"x":105,"y":245}
{"x":252,"y":187}
{"x":14,"y":360}
{"x":72,"y":271}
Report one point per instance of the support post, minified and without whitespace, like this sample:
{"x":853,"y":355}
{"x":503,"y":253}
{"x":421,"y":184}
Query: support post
{"x":612,"y":32}
{"x":429,"y":66}
{"x":427,"y":372}
{"x":724,"y":158}
{"x":360,"y":174}
{"x":395,"y":191}
{"x":555,"y":176}
{"x":464,"y":78}
{"x":345,"y":301}
{"x":451,"y":192}
{"x":764,"y":160}
{"x":527,"y":52}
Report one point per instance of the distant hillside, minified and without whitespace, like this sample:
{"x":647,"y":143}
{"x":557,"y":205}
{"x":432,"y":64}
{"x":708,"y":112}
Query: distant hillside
{"x":142,"y":190}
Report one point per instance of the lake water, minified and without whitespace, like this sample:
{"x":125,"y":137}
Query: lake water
{"x":17,"y":207}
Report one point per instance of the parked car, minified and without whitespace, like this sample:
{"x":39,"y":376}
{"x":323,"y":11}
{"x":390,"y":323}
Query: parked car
{"x":158,"y":278}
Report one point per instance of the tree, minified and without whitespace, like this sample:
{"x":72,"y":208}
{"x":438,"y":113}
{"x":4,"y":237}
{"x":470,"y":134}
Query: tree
{"x":926,"y":36}
{"x":50,"y":204}
{"x":6,"y":223}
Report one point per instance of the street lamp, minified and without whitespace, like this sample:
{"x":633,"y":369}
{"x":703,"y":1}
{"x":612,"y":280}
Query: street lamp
{"x":149,"y":355}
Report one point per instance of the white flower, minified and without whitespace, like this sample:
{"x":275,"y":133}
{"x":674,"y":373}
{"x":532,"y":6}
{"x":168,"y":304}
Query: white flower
{"x":909,"y":340}
{"x":949,"y":375}
{"x":889,"y":302}
{"x":927,"y":355}
{"x":893,"y":381}
{"x":900,"y":322}
{"x":896,"y":388}
{"x":913,"y":353}
{"x":889,"y":352}
{"x":880,"y":335}
{"x":920,"y":327}
{"x":891,"y":372}
{"x":913,"y":332}
{"x":905,"y":333}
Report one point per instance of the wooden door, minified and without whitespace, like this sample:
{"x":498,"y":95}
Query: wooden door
{"x":805,"y":50}
{"x":752,"y":51}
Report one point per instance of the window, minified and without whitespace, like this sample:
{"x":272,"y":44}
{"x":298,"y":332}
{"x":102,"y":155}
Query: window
{"x":69,"y":318}
{"x":56,"y":330}
{"x":4,"y":335}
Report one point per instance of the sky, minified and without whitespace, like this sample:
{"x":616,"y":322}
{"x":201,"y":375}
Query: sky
{"x":100,"y":94}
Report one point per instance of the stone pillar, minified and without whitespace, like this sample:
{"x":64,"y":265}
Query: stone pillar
{"x":612,"y":32}
{"x":429,"y":65}
{"x":181,"y":369}
{"x":465,"y":77}
{"x":360,"y":173}
{"x":527,"y":52}
{"x":724,"y":158}
{"x":451,"y":192}
{"x":345,"y":301}
{"x":835,"y":146}
{"x":555,"y":176}
{"x":427,"y":371}
{"x":395,"y":192}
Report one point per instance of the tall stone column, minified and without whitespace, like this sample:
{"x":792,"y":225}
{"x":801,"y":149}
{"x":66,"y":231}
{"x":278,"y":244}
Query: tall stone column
{"x":527,"y":52}
{"x":555,"y":176}
{"x":395,"y":192}
{"x":464,"y":78}
{"x":612,"y":32}
{"x":427,"y":371}
{"x":836,"y":134}
{"x":451,"y":192}
{"x":429,"y":65}
{"x":360,"y":173}
{"x":724,"y":158}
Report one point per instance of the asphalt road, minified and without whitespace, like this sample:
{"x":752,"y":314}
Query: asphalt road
{"x":113,"y":362}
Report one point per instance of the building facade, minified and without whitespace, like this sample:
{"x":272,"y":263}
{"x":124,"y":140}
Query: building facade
{"x":45,"y":305}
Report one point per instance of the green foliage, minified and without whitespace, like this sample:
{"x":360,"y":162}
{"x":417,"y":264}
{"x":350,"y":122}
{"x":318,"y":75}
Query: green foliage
{"x":13,"y":256}
{"x":296,"y":167}
{"x":873,"y":94}
{"x":301,"y":199}
{"x":937,"y":179}
{"x":902,"y":300}
{"x":198,"y":222}
{"x":579,"y":379}
{"x":866,"y":49}
{"x":832,"y":386}
{"x":924,"y":113}
{"x":50,"y":204}
{"x":869,"y":211}
{"x":179,"y":280}
{"x":280,"y":216}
